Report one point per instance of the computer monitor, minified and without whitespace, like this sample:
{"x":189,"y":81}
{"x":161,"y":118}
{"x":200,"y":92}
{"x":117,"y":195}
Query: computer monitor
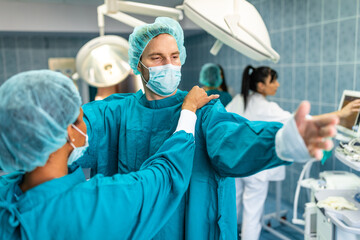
{"x":349,"y":125}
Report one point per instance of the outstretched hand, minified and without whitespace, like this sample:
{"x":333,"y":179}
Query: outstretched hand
{"x":351,"y":107}
{"x":315,"y":130}
{"x":196,"y":99}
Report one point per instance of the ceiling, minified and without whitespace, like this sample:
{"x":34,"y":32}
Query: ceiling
{"x":166,"y":3}
{"x":73,"y":16}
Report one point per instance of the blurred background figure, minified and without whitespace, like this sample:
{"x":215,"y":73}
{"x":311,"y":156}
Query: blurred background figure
{"x":130,"y":84}
{"x":224,"y":87}
{"x":212,"y":78}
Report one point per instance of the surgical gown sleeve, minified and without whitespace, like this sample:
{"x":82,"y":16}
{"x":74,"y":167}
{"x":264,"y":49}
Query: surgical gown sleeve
{"x":140,"y":203}
{"x":103,"y":120}
{"x":238,"y":147}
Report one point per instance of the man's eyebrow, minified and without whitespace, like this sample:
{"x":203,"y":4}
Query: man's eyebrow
{"x":156,"y":53}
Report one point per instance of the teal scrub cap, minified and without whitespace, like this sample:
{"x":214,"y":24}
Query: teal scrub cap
{"x":142,"y":35}
{"x":36,"y":107}
{"x":210,"y":75}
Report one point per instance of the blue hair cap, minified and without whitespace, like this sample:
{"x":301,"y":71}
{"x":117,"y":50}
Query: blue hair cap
{"x":210,"y":75}
{"x":36,"y":107}
{"x":142,"y":35}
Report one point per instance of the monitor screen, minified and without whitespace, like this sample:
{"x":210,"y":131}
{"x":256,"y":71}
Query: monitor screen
{"x":350,"y":124}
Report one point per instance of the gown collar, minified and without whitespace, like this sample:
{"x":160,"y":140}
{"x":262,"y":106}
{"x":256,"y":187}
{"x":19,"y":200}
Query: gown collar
{"x":163,"y":103}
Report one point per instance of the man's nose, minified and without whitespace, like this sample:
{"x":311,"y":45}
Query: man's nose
{"x":167,"y":60}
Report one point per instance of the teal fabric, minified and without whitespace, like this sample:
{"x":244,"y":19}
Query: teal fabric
{"x":129,"y":206}
{"x":124,"y":129}
{"x":224,"y":98}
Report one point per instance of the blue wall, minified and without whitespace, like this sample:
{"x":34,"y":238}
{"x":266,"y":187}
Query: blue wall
{"x":318,"y":41}
{"x":28,"y":51}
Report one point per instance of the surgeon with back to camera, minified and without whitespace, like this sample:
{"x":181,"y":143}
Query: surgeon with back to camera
{"x":125,"y":129}
{"x":251,"y":191}
{"x":42,"y":131}
{"x":212,"y":78}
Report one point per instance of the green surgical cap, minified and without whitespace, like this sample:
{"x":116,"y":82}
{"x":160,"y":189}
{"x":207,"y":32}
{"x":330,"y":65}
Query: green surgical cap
{"x":210,"y":75}
{"x":36,"y":107}
{"x":142,"y":35}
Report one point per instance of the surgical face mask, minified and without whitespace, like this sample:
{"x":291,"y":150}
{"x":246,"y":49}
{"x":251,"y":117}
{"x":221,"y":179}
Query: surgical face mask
{"x":78,"y":151}
{"x":163,"y":80}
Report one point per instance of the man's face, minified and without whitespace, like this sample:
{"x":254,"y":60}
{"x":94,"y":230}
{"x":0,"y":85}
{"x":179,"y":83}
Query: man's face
{"x":161,"y":50}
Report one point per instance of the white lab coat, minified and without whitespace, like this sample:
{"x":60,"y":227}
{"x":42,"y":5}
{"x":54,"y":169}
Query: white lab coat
{"x":251,"y":191}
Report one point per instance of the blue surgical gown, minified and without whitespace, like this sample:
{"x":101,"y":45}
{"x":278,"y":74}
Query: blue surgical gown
{"x":124,"y":129}
{"x":129,"y":206}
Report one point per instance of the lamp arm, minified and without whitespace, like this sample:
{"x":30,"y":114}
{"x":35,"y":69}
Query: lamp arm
{"x":101,"y":10}
{"x":125,"y":18}
{"x":149,"y":10}
{"x":115,"y":9}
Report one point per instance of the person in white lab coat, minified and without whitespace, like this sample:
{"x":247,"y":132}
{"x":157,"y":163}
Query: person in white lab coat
{"x":251,"y":191}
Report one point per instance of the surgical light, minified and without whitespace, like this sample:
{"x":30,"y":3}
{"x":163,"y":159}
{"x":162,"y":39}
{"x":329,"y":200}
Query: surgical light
{"x":238,"y":25}
{"x":235,"y":23}
{"x":103,"y":61}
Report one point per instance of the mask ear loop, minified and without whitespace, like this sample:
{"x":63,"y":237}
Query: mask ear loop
{"x":81,"y":132}
{"x":72,"y":140}
{"x":142,"y":77}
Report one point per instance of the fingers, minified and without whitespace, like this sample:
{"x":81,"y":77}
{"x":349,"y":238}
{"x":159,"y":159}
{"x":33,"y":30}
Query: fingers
{"x":357,"y":101}
{"x":327,"y":131}
{"x":355,"y":107}
{"x":207,"y":99}
{"x":213,"y":96}
{"x":317,"y":154}
{"x":197,"y":98}
{"x":323,"y":144}
{"x":301,"y":112}
{"x":328,"y":119}
{"x":316,"y":149}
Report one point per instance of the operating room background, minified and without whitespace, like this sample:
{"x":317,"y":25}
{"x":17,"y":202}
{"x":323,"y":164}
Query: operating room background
{"x":318,"y":41}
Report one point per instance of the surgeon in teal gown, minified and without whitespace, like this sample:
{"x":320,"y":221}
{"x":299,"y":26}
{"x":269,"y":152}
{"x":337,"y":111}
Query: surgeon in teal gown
{"x":125,"y":129}
{"x":41,"y":198}
{"x":212,"y":77}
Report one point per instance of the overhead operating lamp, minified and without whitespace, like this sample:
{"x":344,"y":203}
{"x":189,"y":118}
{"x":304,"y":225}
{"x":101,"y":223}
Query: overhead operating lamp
{"x":103,"y":61}
{"x":238,"y":24}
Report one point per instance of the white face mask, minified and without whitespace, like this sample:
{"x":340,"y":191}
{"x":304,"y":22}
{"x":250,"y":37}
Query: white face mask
{"x":78,"y":151}
{"x":164,"y":79}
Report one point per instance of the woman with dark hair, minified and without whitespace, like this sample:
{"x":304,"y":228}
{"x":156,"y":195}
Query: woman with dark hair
{"x":251,"y":192}
{"x":213,"y":80}
{"x":262,"y":82}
